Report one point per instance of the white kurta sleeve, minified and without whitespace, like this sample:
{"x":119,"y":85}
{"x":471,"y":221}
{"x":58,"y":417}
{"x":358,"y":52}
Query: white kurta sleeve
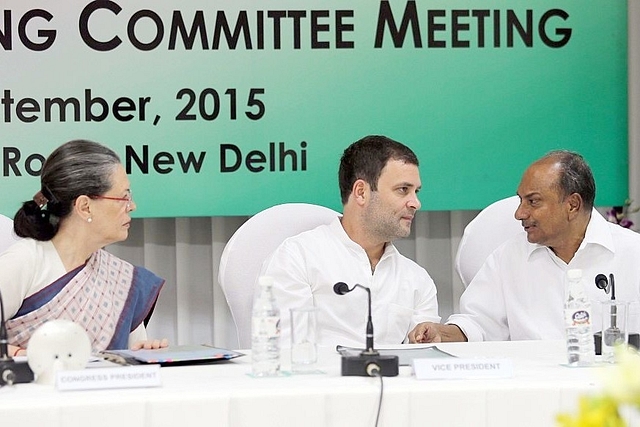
{"x":291,"y":287}
{"x":483,"y":315}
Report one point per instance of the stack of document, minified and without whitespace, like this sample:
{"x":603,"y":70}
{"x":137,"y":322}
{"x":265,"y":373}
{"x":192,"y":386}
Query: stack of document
{"x":172,"y":355}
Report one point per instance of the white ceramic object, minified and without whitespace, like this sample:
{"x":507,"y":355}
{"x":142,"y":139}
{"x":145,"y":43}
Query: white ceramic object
{"x":57,"y":345}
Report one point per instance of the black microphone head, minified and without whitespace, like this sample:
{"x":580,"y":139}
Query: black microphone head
{"x":341,"y":288}
{"x":602,"y":282}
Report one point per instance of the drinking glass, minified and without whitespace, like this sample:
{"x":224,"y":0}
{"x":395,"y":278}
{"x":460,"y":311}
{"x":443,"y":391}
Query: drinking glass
{"x":304,"y":334}
{"x":614,"y":327}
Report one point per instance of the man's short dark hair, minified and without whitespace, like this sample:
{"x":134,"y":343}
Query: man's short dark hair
{"x":575,"y":176}
{"x":365,"y":159}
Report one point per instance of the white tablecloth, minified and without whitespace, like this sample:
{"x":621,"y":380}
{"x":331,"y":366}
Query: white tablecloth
{"x":225,"y":395}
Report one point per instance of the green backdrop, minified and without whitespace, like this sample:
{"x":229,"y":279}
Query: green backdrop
{"x":228,"y":107}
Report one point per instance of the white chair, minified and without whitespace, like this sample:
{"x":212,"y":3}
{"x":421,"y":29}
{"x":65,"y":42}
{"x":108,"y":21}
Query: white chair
{"x":7,"y":236}
{"x":494,"y":225}
{"x":251,"y":244}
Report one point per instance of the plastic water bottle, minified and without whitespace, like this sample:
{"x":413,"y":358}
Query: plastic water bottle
{"x":265,"y":332}
{"x":577,"y":314}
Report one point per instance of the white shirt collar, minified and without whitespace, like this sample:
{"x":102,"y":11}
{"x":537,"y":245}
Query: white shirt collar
{"x":337,"y":229}
{"x":598,"y":233}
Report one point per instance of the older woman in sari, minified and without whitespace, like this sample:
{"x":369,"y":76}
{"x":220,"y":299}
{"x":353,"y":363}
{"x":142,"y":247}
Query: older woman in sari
{"x":60,"y":269}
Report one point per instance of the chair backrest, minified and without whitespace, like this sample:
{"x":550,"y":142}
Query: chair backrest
{"x":494,"y":225}
{"x":251,"y":244}
{"x":7,"y":236}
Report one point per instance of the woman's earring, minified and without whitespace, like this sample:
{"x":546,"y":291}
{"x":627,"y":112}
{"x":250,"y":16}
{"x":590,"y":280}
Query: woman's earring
{"x":89,"y":219}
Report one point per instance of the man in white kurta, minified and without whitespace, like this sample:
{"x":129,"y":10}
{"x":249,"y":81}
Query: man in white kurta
{"x":379,"y":182}
{"x":519,"y":292}
{"x":306,"y":267}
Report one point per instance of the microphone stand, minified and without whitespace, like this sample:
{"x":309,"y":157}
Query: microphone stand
{"x":612,"y":333}
{"x":609,"y":287}
{"x":11,"y":372}
{"x":369,"y":363}
{"x":369,"y":332}
{"x":614,"y":309}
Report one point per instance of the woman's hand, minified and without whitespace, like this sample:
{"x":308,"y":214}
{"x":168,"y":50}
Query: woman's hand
{"x":150,"y":344}
{"x":16,"y":351}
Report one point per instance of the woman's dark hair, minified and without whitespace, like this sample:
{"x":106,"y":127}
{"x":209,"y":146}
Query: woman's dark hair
{"x":76,"y":168}
{"x":365,"y":159}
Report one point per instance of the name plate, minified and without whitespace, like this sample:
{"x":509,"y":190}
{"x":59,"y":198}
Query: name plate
{"x":104,"y":378}
{"x":454,"y":368}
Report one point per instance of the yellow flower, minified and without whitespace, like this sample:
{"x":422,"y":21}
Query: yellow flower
{"x":622,"y":383}
{"x":621,"y":386}
{"x":595,"y":411}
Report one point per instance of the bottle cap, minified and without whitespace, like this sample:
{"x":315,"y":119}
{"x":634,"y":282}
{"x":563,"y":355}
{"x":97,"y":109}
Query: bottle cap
{"x":574,"y":273}
{"x":265,"y":281}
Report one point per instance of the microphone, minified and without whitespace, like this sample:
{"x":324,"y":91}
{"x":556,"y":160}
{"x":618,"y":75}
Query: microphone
{"x":602,"y":283}
{"x":342,"y":288}
{"x":11,"y":372}
{"x":369,"y":363}
{"x":608,"y":286}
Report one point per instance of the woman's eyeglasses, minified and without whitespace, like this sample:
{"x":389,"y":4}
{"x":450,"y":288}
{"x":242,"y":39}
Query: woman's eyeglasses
{"x":127,"y":199}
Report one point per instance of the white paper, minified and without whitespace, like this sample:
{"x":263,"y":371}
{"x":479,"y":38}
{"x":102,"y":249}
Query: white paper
{"x":104,"y":378}
{"x":457,"y":368}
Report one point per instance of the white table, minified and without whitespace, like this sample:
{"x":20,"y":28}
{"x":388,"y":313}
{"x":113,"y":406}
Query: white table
{"x":224,"y":395}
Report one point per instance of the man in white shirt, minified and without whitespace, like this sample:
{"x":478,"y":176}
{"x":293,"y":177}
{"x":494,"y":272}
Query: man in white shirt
{"x":379,"y":183}
{"x":519,"y":292}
